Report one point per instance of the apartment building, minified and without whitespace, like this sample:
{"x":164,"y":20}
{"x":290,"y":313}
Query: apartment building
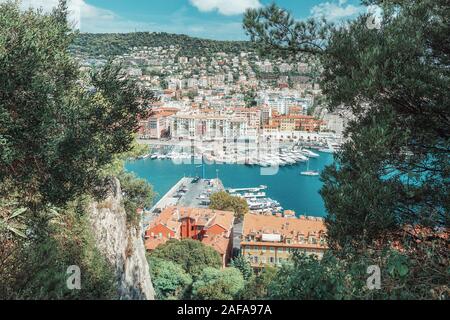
{"x":156,"y":125}
{"x":206,"y":126}
{"x":297,"y":123}
{"x":253,"y":116}
{"x":211,"y":227}
{"x":270,"y":240}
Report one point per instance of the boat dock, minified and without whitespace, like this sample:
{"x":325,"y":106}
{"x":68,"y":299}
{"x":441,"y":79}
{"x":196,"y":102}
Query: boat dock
{"x":188,"y":192}
{"x":258,"y":189}
{"x":257,"y":200}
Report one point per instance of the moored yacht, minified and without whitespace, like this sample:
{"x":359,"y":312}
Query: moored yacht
{"x":310,"y":154}
{"x":310,"y":173}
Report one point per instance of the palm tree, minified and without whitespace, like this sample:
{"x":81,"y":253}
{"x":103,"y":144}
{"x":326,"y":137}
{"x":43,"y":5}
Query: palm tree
{"x":10,"y":221}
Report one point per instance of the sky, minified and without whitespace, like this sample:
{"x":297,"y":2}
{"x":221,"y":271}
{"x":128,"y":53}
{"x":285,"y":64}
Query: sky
{"x":211,"y":19}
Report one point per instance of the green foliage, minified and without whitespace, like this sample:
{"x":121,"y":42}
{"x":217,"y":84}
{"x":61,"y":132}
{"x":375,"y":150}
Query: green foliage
{"x":307,"y":278}
{"x":37,"y":269}
{"x":137,"y":194}
{"x":57,"y":132}
{"x":214,"y":284}
{"x":109,"y":45}
{"x":11,"y":219}
{"x":257,"y":286}
{"x":275,"y":31}
{"x":250,"y":99}
{"x":116,"y":166}
{"x":343,"y":278}
{"x":225,"y":202}
{"x":244,"y":266}
{"x":192,"y":255}
{"x":169,"y":279}
{"x":393,"y":170}
{"x":397,"y":87}
{"x":60,"y":133}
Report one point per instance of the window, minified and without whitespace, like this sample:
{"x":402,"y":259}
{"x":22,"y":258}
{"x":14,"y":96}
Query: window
{"x":272,"y":260}
{"x":272,"y":249}
{"x":263,"y":249}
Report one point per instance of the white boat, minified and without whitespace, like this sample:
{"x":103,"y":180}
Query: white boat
{"x":327,"y":150}
{"x":255,"y":195}
{"x":263,"y":163}
{"x":310,"y":173}
{"x":288,"y":159}
{"x":310,"y":154}
{"x":300,"y":157}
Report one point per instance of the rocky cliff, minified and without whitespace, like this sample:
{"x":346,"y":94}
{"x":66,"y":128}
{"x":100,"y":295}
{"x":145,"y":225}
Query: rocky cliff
{"x":122,"y":245}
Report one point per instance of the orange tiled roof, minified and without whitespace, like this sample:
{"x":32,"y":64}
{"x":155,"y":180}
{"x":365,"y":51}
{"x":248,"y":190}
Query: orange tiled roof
{"x":218,"y":243}
{"x":152,"y":244}
{"x":288,"y":228}
{"x":294,"y":116}
{"x":224,"y":219}
{"x":171,"y":218}
{"x":167,"y":218}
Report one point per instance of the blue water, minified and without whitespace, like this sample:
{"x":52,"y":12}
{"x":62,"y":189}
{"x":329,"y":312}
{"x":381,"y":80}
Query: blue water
{"x":293,"y":191}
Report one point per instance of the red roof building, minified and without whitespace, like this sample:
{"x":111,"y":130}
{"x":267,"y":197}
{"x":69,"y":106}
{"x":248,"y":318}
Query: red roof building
{"x":211,"y":227}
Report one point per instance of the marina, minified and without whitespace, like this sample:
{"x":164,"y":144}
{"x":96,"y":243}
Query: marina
{"x":290,"y":189}
{"x":262,"y":155}
{"x":257,"y":200}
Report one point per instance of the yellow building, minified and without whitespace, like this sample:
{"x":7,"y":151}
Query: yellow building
{"x":270,"y":240}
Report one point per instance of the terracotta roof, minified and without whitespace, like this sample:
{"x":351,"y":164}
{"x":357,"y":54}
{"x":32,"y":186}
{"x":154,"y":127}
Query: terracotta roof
{"x":287,"y":228}
{"x":152,"y":243}
{"x":240,"y":109}
{"x":167,"y":218}
{"x":295,"y":117}
{"x":161,"y":114}
{"x":218,"y":243}
{"x":224,"y":219}
{"x":171,"y":218}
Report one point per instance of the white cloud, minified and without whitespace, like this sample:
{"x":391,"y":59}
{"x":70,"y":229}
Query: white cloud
{"x":334,"y":11}
{"x":226,"y":7}
{"x":88,"y":18}
{"x":79,"y":11}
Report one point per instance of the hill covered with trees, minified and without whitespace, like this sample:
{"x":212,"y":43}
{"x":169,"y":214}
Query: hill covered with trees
{"x":111,"y":44}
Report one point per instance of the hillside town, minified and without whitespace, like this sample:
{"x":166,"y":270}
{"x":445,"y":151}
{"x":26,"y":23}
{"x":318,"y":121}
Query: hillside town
{"x":226,"y":95}
{"x":235,"y":151}
{"x":206,"y":107}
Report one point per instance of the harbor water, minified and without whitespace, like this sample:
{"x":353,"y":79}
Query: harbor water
{"x":288,"y":186}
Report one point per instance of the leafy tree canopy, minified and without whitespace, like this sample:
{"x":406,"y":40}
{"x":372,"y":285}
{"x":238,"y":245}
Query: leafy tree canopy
{"x":192,"y":255}
{"x":57,"y":132}
{"x":225,"y":202}
{"x":243,"y":265}
{"x":112,"y":44}
{"x":215,"y":284}
{"x":169,"y":279}
{"x":62,"y":134}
